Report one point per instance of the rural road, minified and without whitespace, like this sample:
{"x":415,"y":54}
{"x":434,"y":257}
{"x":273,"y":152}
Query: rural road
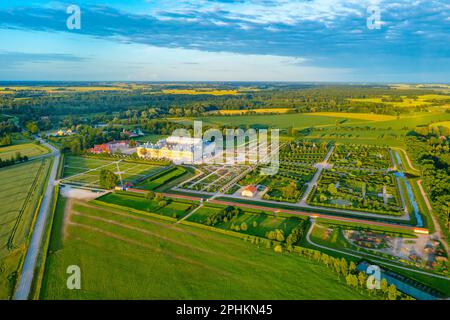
{"x":26,"y":277}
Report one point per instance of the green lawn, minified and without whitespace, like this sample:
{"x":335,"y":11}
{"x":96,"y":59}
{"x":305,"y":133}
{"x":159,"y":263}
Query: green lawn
{"x":131,"y":256}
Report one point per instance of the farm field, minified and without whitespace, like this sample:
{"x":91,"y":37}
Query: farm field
{"x":20,"y":193}
{"x":132,"y":256}
{"x":76,"y":170}
{"x":389,"y":132}
{"x":408,"y":102}
{"x":25,"y":149}
{"x":445,"y":124}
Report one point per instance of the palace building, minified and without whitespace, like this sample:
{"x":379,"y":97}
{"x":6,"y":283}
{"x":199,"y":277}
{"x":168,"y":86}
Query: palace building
{"x":176,"y":149}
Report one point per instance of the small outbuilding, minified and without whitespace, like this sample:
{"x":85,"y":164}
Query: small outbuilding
{"x":249,"y":191}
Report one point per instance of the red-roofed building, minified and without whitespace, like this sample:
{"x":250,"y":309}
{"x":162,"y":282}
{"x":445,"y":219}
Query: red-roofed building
{"x":249,"y":191}
{"x":100,"y":148}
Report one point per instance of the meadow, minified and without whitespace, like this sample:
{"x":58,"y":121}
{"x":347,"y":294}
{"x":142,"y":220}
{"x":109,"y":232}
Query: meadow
{"x":25,"y":149}
{"x":281,"y":121}
{"x":20,"y":194}
{"x":125,"y":255}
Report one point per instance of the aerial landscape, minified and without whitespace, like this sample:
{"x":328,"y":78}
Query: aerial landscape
{"x":158,"y":168}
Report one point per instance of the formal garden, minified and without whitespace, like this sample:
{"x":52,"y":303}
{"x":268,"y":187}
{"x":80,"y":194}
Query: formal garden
{"x":375,"y":192}
{"x":356,"y":156}
{"x":305,"y":152}
{"x":212,"y":178}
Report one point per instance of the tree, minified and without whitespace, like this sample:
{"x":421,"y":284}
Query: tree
{"x":392,"y":292}
{"x":362,"y":279}
{"x":332,"y":189}
{"x":75,"y":147}
{"x":32,"y":127}
{"x":344,"y":266}
{"x":352,"y":267}
{"x":290,"y":190}
{"x":108,"y":179}
{"x":162,"y":203}
{"x":384,"y":285}
{"x":150,"y":195}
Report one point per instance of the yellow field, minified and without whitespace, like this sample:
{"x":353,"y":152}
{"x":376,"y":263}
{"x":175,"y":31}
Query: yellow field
{"x":259,"y":111}
{"x":196,"y":92}
{"x":422,"y":100}
{"x":25,"y":149}
{"x":445,"y":124}
{"x":361,"y":116}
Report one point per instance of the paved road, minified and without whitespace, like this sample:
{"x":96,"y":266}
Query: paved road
{"x":26,"y":278}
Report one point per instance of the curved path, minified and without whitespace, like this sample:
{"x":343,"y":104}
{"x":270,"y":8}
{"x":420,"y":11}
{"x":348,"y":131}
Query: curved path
{"x":26,"y":277}
{"x":375,"y":259}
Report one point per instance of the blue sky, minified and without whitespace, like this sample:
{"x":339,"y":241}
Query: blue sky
{"x":226,"y":40}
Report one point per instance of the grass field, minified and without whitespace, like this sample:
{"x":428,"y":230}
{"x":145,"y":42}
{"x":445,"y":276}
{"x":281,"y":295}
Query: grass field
{"x":174,"y":208}
{"x":360,"y":116}
{"x":75,"y":170}
{"x":131,"y":256}
{"x":25,"y":149}
{"x":20,"y":193}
